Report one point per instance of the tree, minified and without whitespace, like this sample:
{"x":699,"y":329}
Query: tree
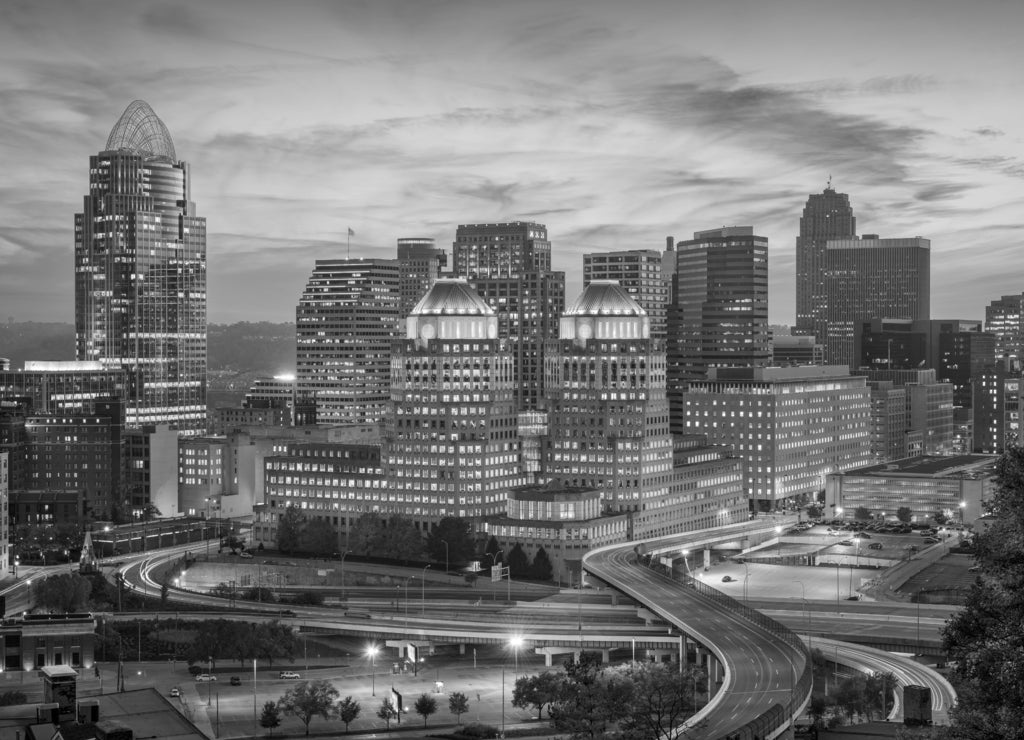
{"x":457,"y":533}
{"x":851,"y":696}
{"x":541,"y":569}
{"x":984,"y":641}
{"x":234,"y":543}
{"x":592,"y":701}
{"x":818,"y":707}
{"x":518,"y":562}
{"x":309,"y":699}
{"x":662,"y":698}
{"x":319,"y":537}
{"x":348,"y":710}
{"x":458,"y":704}
{"x":492,"y":552}
{"x":289,"y":529}
{"x":425,"y":706}
{"x":364,"y":533}
{"x":862,"y":513}
{"x":814,"y":510}
{"x":536,"y":691}
{"x":64,"y":593}
{"x":387,"y":712}
{"x":904,"y":514}
{"x":940,"y":517}
{"x":399,"y":540}
{"x":11,"y":698}
{"x":271,"y":717}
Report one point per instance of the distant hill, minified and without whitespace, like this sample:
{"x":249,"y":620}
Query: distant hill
{"x":245,"y":348}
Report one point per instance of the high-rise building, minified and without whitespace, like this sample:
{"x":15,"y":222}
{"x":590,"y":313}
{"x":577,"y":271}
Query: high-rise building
{"x":5,"y":493}
{"x":345,"y":322}
{"x":450,"y":442}
{"x":718,"y":309}
{"x":638,"y":271}
{"x":997,"y":410}
{"x":872,"y":278}
{"x":929,"y":427}
{"x":140,"y":274}
{"x":827,"y":215}
{"x":791,"y":426}
{"x":1004,"y":317}
{"x":608,"y":425}
{"x":421,"y":263}
{"x":509,"y":266}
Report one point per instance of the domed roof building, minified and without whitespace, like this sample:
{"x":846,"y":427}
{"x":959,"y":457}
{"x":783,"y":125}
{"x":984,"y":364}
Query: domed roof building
{"x":140,"y":131}
{"x":451,"y":444}
{"x":604,"y":310}
{"x":451,"y":309}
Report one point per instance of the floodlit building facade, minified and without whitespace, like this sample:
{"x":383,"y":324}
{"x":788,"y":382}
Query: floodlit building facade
{"x":451,"y":446}
{"x":140,"y":274}
{"x":790,"y":426}
{"x":638,"y":271}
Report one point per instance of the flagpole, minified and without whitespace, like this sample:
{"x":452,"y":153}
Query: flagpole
{"x":348,"y":244}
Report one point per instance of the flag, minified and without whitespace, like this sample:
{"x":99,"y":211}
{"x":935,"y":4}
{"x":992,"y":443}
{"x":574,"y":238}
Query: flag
{"x":350,"y":232}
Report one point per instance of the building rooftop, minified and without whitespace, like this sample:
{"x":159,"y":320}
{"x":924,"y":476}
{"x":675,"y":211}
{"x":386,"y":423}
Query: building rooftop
{"x":970,"y":466}
{"x":140,"y":130}
{"x":452,"y":297}
{"x":605,"y":298}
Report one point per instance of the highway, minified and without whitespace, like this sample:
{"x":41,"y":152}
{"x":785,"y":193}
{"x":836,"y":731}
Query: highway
{"x":767,"y":668}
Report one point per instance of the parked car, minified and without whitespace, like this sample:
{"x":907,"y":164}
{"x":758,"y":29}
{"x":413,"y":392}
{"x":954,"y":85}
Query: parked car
{"x":175,"y":692}
{"x":862,"y":536}
{"x":875,"y":546}
{"x":288,"y":674}
{"x":727,"y":579}
{"x":204,"y":677}
{"x":245,"y":554}
{"x":930,"y":540}
{"x":847,"y":543}
{"x":236,"y":681}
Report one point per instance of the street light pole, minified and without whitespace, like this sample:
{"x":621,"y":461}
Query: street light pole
{"x":343,"y":573}
{"x":372,"y":651}
{"x":445,"y":556}
{"x":423,"y":590}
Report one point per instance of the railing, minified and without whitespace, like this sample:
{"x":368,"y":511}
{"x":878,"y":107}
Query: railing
{"x":779,"y":714}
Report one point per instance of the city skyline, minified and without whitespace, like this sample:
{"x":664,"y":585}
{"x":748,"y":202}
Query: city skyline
{"x":613,"y":126}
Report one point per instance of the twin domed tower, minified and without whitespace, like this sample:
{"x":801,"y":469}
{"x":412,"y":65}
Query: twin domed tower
{"x":452,"y":447}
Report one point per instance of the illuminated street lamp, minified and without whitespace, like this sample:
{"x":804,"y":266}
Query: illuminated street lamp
{"x":372,"y":651}
{"x":516,"y":642}
{"x":687,"y":562}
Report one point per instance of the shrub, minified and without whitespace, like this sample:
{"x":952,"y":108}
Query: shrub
{"x":10,"y":698}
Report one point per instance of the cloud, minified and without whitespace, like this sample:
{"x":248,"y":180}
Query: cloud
{"x":986,"y":131}
{"x":942,"y":191}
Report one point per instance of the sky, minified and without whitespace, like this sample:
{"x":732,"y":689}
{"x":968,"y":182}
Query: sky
{"x":616,"y":124}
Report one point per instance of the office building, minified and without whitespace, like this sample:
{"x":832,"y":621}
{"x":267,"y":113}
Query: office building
{"x":332,"y":482}
{"x":996,"y":410}
{"x":718,"y":309}
{"x":608,"y":423}
{"x":420,"y":264}
{"x":151,"y":470}
{"x":790,"y":426}
{"x":450,"y":440}
{"x":956,"y":487}
{"x":63,"y":387}
{"x":345,"y":322}
{"x":1005,"y":319}
{"x":5,"y":521}
{"x":788,"y":351}
{"x":140,"y":274}
{"x":509,"y":266}
{"x":826,"y":215}
{"x":929,"y":427}
{"x":81,"y":453}
{"x":872,"y":278}
{"x":638,"y":271}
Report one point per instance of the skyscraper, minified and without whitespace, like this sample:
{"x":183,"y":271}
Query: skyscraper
{"x":421,"y":264}
{"x":140,"y":274}
{"x":872,"y":278}
{"x":450,"y":446}
{"x":1004,"y":317}
{"x":718,"y":309}
{"x":509,"y":266}
{"x":827,"y":215}
{"x":638,"y":271}
{"x":345,"y":322}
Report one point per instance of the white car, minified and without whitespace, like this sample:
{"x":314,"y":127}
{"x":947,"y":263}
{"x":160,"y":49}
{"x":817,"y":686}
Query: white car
{"x":204,"y":677}
{"x":244,"y":554}
{"x":288,"y":674}
{"x":175,"y":692}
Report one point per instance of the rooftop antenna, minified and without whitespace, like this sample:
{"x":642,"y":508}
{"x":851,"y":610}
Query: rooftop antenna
{"x":829,"y":186}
